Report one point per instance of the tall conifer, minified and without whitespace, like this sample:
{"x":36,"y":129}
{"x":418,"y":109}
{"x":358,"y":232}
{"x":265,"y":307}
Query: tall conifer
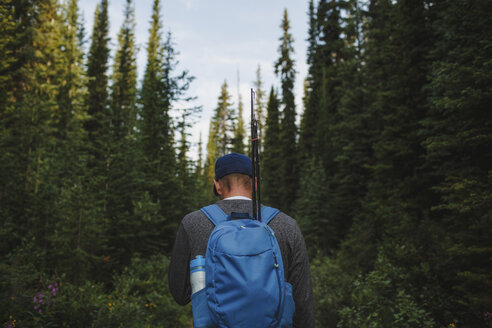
{"x":271,"y":158}
{"x":239,"y":131}
{"x":220,"y":135}
{"x":310,"y":116}
{"x":222,"y":123}
{"x":260,"y":106}
{"x":458,"y":146}
{"x":161,"y":87}
{"x":284,"y":68}
{"x":97,"y":67}
{"x":123,"y":167}
{"x":124,"y":79}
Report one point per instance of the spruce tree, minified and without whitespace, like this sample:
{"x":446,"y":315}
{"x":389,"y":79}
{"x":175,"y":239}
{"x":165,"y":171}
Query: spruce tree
{"x":397,"y":69}
{"x":239,"y":131}
{"x":209,"y":165}
{"x":161,"y":87}
{"x":11,"y":164}
{"x":271,"y":158}
{"x":458,"y":153}
{"x":97,"y":100}
{"x":310,"y":115}
{"x":124,"y":79}
{"x":97,"y":123}
{"x":220,"y":135}
{"x":7,"y":40}
{"x":79,"y":236}
{"x":260,"y":106}
{"x":124,"y":170}
{"x":344,"y":96}
{"x":222,"y":123}
{"x":284,"y":68}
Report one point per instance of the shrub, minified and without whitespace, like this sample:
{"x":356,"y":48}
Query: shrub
{"x":378,"y":301}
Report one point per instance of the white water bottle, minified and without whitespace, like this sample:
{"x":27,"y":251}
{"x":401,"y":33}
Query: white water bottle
{"x":197,"y":274}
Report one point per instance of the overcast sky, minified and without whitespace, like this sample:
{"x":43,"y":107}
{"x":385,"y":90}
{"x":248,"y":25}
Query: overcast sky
{"x":216,"y":39}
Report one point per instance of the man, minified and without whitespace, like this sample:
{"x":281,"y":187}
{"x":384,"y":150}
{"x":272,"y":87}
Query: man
{"x":233,"y":184}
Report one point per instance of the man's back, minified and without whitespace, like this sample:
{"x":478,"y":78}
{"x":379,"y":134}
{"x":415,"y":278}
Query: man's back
{"x":192,"y":239}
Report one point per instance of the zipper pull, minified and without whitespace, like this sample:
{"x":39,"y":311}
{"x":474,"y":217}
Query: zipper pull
{"x":275,"y":257}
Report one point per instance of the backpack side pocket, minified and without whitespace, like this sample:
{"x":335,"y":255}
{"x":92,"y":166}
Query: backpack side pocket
{"x":289,"y":307}
{"x":201,"y":314}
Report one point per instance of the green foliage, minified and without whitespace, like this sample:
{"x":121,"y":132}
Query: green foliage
{"x":311,"y":212}
{"x":392,"y":164}
{"x":331,"y":288}
{"x":161,"y":88}
{"x":239,"y":133}
{"x":378,"y":300}
{"x":284,"y":68}
{"x":97,"y":66}
{"x":395,"y":102}
{"x":271,"y":161}
{"x":141,"y":298}
{"x":222,"y":137}
{"x":260,"y":106}
{"x":75,"y":202}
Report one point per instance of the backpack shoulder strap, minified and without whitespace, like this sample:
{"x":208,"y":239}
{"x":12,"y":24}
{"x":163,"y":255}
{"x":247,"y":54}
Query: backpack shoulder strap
{"x":268,"y":213}
{"x":214,"y":214}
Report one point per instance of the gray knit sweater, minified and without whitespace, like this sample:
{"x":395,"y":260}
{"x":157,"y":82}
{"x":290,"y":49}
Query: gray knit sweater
{"x":192,"y":238}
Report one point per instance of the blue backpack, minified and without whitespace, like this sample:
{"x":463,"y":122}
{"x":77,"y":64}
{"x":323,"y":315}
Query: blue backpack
{"x":245,"y":286}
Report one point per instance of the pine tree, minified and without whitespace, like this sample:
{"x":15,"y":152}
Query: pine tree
{"x":328,"y":57}
{"x":284,"y":68}
{"x":97,"y":101}
{"x":397,"y":69}
{"x":124,"y":170}
{"x":202,"y":182}
{"x":209,"y":165}
{"x":7,"y":40}
{"x":10,"y":166}
{"x":310,"y":207}
{"x":187,"y":182}
{"x":239,"y":131}
{"x":271,"y":159}
{"x":79,"y":236}
{"x":260,"y":106}
{"x":97,"y":123}
{"x":124,"y":79}
{"x":160,"y":88}
{"x":220,"y":135}
{"x":458,"y":152}
{"x":200,"y":162}
{"x":310,"y":115}
{"x":222,"y":123}
{"x":344,"y":99}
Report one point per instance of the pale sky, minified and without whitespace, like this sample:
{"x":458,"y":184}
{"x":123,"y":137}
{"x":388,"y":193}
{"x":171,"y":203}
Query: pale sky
{"x":215,"y":39}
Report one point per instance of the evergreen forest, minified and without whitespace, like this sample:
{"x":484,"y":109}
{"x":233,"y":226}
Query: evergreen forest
{"x":387,"y":167}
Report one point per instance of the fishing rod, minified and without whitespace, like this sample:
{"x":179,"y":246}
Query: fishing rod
{"x":255,"y":158}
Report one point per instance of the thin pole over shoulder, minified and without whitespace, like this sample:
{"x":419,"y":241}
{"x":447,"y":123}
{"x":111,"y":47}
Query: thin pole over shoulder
{"x":255,"y":158}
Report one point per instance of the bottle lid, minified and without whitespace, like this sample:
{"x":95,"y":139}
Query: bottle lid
{"x":198,"y":261}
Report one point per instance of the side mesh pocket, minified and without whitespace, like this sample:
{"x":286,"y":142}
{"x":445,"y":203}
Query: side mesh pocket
{"x":289,"y":307}
{"x":201,"y":314}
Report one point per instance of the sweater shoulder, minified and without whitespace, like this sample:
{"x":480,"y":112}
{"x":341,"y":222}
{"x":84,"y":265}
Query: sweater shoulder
{"x":284,"y":219}
{"x":195,"y":220}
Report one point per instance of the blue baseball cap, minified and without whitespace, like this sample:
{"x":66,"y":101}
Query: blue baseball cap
{"x":232,"y":163}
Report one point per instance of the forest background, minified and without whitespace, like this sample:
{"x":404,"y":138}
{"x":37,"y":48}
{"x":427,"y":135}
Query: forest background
{"x":388,"y":173}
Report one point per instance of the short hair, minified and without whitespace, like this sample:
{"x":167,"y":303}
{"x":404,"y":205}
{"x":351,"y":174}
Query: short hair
{"x":236,"y":179}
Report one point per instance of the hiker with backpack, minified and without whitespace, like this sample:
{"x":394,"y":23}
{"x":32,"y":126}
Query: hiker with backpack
{"x":248,"y":269}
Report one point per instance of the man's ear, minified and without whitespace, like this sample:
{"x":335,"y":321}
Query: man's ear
{"x":218,"y":187}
